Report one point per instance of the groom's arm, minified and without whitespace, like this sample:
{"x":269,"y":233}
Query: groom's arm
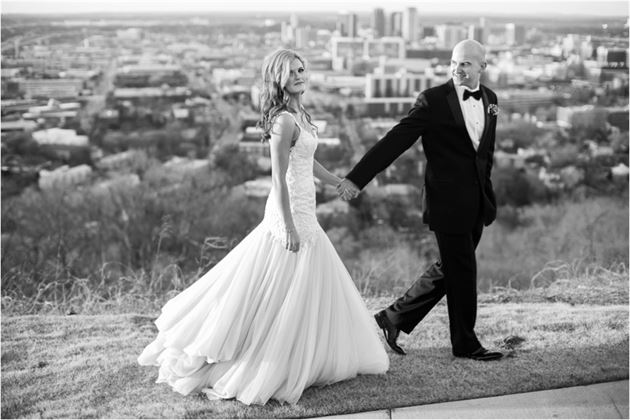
{"x":490,"y":161}
{"x":400,"y":138}
{"x":489,"y":187}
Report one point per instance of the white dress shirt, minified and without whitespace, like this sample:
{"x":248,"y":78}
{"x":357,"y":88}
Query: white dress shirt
{"x":473,"y":114}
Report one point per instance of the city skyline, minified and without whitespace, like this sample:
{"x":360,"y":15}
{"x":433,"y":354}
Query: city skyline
{"x":508,"y":7}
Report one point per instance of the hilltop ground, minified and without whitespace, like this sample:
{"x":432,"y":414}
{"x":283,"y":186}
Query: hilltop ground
{"x":82,"y":366}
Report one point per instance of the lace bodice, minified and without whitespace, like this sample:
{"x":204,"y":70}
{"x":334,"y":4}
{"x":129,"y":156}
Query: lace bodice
{"x":301,"y":186}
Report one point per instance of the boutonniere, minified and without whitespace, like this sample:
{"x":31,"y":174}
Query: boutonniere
{"x":493,"y":109}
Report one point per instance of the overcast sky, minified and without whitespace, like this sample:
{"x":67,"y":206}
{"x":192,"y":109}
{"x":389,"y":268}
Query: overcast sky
{"x":487,"y":7}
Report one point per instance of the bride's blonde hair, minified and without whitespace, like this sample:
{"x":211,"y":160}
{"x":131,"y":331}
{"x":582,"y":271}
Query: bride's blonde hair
{"x":274,"y":98}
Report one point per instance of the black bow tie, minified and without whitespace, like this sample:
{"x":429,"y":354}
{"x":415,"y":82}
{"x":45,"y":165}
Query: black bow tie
{"x":476,"y":94}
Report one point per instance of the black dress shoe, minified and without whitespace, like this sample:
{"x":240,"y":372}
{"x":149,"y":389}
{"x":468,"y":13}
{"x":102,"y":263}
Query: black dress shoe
{"x":482,"y":354}
{"x":390,"y":331}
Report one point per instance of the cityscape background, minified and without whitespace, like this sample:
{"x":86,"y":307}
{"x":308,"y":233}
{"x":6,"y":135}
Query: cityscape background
{"x":131,"y":159}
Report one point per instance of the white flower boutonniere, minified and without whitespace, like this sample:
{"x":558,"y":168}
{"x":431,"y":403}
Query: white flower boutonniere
{"x":493,"y":109}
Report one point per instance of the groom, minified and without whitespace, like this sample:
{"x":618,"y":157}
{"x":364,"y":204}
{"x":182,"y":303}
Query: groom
{"x":457,"y":122}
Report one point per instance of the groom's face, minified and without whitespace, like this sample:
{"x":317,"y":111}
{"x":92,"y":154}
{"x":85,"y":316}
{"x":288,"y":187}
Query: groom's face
{"x":467,"y":63}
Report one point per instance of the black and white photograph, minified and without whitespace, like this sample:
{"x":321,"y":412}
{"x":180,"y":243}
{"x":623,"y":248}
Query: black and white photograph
{"x":334,"y":209}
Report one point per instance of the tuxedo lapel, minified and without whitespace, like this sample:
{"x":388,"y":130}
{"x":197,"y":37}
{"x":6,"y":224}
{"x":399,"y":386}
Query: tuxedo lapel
{"x":456,"y":110}
{"x":453,"y":103}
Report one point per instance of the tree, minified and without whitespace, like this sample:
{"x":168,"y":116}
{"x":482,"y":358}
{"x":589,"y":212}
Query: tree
{"x":619,"y":141}
{"x":237,"y":166}
{"x":591,"y":125}
{"x":361,"y":68}
{"x":516,"y":188}
{"x":524,"y":134}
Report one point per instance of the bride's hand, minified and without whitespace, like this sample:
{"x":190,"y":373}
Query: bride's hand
{"x":292,"y":241}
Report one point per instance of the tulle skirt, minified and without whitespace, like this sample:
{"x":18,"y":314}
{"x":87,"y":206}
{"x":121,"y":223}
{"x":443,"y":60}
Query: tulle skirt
{"x":267,"y":323}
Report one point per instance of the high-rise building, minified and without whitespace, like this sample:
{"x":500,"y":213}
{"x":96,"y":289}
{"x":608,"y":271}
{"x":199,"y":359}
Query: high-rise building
{"x":483,"y":30}
{"x":612,"y":57}
{"x":514,"y":34}
{"x":303,"y":36}
{"x":294,"y":20}
{"x":389,"y":47}
{"x":450,"y":34}
{"x":291,"y":33}
{"x":410,"y":24}
{"x":510,"y":34}
{"x":521,"y":34}
{"x":286,"y":33}
{"x":393,"y":94}
{"x":348,"y":25}
{"x":378,"y":22}
{"x":353,"y":25}
{"x":397,"y":85}
{"x":478,"y":32}
{"x":345,"y":51}
{"x":427,"y":31}
{"x":395,"y":24}
{"x":587,"y":49}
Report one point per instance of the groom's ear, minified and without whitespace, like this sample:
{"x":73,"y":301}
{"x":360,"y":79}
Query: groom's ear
{"x":483,"y":65}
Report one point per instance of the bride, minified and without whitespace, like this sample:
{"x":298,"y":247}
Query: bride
{"x":280,"y":312}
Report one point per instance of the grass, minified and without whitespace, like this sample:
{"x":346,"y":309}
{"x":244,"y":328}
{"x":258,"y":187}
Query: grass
{"x":593,"y":231}
{"x":573,"y":283}
{"x":60,"y":252}
{"x":84,"y":366}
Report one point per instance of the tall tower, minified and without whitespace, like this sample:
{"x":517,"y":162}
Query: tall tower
{"x":348,"y":24}
{"x":302,"y":37}
{"x":294,"y":20}
{"x":477,"y":32}
{"x":289,"y":31}
{"x":378,"y":22}
{"x":353,"y":25}
{"x":510,"y":34}
{"x":395,"y":24}
{"x":449,"y":34}
{"x":481,"y":32}
{"x":515,"y":34}
{"x":286,"y":33}
{"x":410,"y":24}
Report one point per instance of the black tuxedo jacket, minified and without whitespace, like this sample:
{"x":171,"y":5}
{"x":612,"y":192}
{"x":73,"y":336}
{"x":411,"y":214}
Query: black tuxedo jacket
{"x":457,"y":182}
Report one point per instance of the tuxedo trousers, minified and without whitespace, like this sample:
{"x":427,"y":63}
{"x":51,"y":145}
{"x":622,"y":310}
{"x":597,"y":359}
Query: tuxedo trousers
{"x":455,"y":276}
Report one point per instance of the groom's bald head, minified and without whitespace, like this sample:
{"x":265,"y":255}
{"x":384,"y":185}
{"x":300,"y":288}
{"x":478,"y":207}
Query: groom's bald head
{"x":468,"y":61}
{"x":470,"y":47}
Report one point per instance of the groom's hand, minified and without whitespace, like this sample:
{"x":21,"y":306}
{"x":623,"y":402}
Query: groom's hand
{"x":347,"y":190}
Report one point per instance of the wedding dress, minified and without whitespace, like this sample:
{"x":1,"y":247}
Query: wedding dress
{"x":265,"y":322}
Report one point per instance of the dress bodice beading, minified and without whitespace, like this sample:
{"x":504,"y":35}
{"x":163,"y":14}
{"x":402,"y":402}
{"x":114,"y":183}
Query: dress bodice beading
{"x":301,"y":187}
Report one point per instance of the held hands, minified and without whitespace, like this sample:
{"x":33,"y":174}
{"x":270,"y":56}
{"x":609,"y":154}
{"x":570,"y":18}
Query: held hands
{"x":292,"y":240}
{"x":347,"y":190}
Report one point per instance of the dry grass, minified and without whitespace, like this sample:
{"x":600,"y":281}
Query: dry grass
{"x":593,"y":232}
{"x":573,"y":321}
{"x":576,"y":283}
{"x":92,"y":253}
{"x":85,"y":366}
{"x":573,"y":283}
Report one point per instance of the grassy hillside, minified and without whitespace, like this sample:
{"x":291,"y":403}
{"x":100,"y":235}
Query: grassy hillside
{"x":84,"y":366}
{"x":134,"y":248}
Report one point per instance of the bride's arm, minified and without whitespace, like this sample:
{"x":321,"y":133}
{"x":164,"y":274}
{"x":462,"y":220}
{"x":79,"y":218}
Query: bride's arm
{"x":324,"y":175}
{"x":282,"y":132}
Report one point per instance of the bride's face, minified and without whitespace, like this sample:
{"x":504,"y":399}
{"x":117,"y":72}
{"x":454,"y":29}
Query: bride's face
{"x":296,"y":84}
